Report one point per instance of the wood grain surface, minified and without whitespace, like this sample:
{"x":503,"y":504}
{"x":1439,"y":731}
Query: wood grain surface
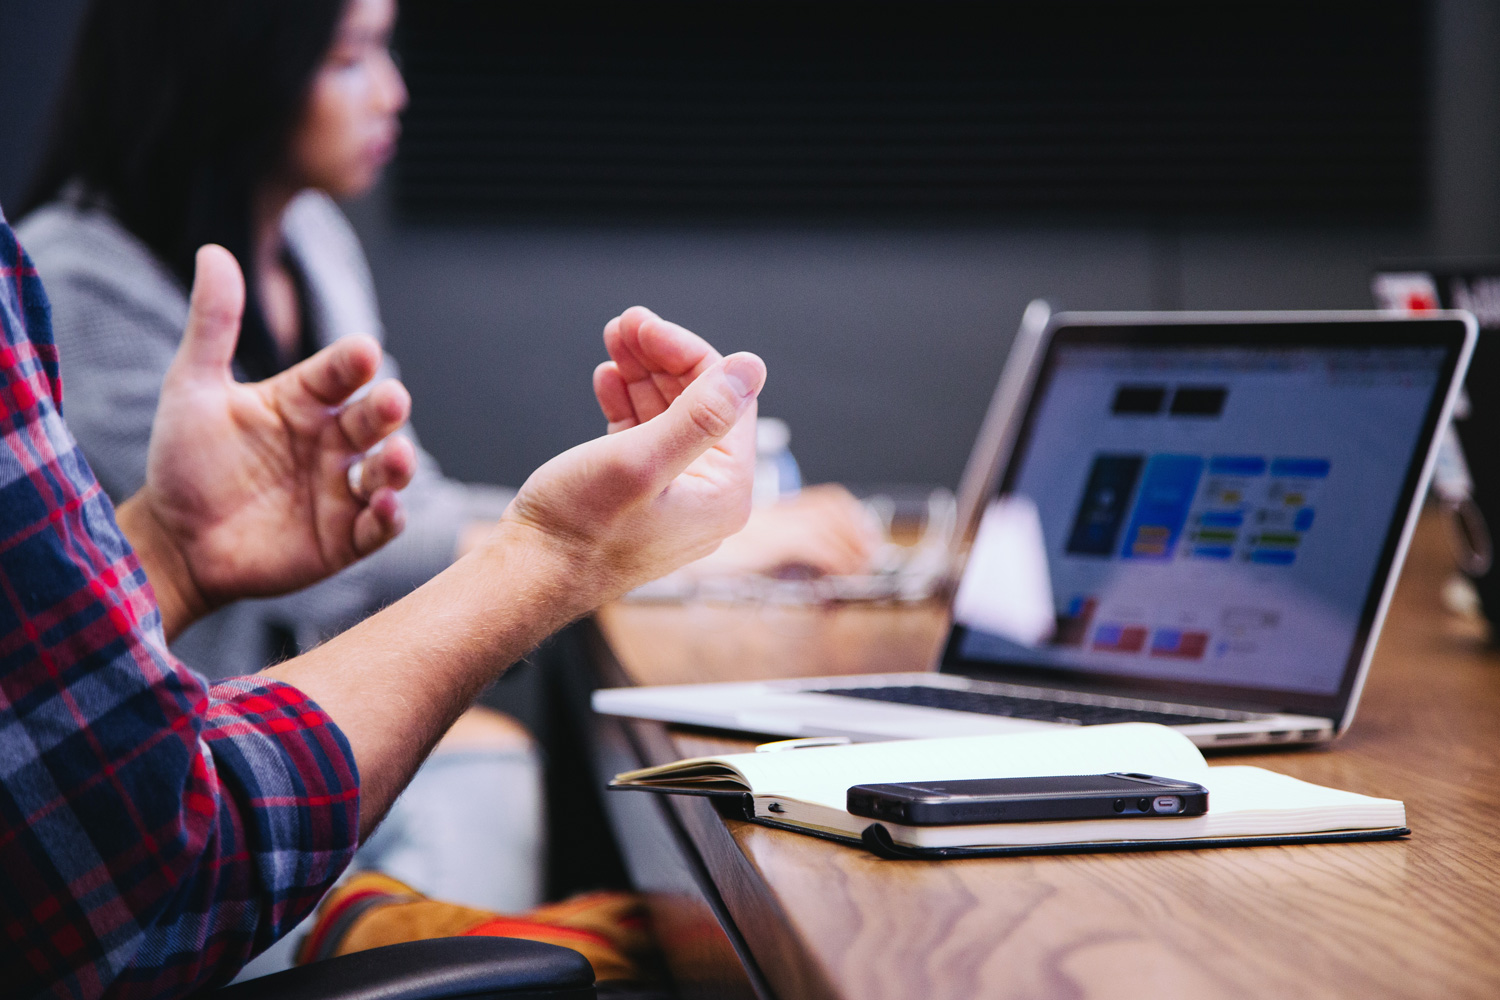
{"x":699,"y":642}
{"x":1419,"y":917}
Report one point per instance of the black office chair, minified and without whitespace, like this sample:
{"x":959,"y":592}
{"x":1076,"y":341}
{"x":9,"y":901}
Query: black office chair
{"x":455,"y":968}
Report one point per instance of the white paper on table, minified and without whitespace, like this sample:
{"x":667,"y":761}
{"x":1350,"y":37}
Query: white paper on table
{"x":1006,"y":589}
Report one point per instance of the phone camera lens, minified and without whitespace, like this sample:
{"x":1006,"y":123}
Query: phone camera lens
{"x":1119,"y":805}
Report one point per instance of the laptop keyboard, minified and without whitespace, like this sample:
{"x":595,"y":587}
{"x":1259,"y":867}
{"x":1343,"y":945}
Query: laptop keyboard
{"x":1023,"y":708}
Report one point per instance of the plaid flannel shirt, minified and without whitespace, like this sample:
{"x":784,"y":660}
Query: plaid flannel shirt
{"x":155,"y":832}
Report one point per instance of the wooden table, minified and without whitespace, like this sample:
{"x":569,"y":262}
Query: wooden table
{"x":743,"y":910}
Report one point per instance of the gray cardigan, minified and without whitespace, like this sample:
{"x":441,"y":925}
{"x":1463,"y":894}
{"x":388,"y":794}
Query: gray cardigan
{"x":118,"y":314}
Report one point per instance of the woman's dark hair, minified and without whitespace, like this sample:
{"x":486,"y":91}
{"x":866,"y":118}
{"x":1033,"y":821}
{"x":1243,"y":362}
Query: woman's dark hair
{"x":175,"y":112}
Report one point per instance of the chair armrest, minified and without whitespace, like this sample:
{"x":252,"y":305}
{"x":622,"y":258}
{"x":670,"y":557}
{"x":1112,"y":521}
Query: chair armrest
{"x":455,"y":968}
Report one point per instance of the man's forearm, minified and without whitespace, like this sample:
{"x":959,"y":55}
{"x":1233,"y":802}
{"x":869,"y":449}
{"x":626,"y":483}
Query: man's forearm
{"x":395,"y":682}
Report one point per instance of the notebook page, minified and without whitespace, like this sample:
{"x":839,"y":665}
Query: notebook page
{"x":1243,"y":802}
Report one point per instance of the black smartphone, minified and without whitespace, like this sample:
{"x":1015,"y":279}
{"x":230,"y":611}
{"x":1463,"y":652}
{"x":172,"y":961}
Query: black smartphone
{"x":1020,"y":800}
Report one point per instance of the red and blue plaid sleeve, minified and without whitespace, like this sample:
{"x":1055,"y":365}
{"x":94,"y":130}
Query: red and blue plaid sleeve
{"x":155,"y":832}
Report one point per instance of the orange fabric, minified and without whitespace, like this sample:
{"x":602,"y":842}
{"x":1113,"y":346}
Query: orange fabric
{"x":607,"y":928}
{"x":511,"y":927}
{"x":328,"y":915}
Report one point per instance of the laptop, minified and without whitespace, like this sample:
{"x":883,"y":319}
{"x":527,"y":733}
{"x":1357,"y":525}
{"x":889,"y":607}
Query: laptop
{"x":1211,"y":509}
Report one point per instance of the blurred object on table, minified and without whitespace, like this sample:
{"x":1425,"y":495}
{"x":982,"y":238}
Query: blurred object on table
{"x":1466,"y":481}
{"x":910,"y":564}
{"x":777,"y":474}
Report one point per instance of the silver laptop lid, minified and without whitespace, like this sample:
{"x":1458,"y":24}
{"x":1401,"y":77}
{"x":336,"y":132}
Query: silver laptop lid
{"x":1206,"y":506}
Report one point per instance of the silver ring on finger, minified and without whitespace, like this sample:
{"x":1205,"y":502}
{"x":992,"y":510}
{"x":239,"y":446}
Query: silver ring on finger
{"x":356,"y":479}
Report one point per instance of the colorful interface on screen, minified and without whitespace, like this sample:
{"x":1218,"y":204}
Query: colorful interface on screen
{"x":1216,"y":514}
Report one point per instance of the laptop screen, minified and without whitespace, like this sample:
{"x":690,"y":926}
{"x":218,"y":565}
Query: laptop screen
{"x":1211,"y":509}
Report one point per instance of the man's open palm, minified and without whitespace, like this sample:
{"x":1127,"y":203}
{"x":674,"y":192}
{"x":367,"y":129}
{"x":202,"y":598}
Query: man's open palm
{"x":672,"y":477}
{"x":251,"y":481}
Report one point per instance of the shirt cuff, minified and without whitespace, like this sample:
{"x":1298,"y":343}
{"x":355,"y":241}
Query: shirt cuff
{"x":296,"y":783}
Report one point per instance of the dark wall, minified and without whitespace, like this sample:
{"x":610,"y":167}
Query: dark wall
{"x":35,"y":36}
{"x":883,"y":341}
{"x":791,"y":110}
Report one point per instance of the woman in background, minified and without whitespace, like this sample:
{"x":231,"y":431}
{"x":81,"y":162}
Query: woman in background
{"x":238,"y":122}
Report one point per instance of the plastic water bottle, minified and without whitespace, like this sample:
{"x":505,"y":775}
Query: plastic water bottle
{"x":776,"y":471}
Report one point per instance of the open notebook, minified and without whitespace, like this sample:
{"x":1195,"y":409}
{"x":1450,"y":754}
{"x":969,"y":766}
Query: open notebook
{"x":805,"y":789}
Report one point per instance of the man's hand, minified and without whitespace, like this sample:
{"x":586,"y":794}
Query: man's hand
{"x":824,"y":530}
{"x":248,"y":489}
{"x":671,"y":479}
